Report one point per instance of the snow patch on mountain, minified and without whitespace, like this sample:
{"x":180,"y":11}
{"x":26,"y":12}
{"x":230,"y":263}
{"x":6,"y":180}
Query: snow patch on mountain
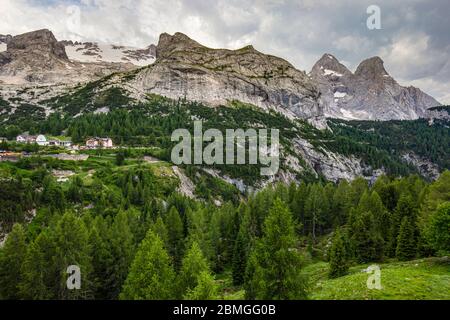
{"x":97,"y":52}
{"x":329,"y":72}
{"x":3,"y":47}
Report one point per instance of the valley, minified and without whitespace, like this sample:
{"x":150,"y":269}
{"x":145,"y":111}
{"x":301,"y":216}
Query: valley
{"x":88,"y":179}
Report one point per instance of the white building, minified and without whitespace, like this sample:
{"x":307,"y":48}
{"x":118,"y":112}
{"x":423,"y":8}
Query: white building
{"x":60,"y":143}
{"x":41,"y":140}
{"x":99,"y":143}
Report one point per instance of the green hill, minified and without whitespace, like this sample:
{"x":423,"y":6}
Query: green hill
{"x":424,"y":279}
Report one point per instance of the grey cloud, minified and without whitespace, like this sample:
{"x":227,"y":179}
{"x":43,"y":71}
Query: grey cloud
{"x":414,"y":41}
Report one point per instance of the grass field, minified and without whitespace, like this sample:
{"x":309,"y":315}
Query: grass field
{"x":424,"y":279}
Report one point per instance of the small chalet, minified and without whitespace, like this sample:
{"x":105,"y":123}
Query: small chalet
{"x":99,"y":143}
{"x":39,"y":139}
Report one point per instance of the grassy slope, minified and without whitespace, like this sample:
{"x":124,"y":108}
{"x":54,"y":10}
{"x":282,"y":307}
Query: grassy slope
{"x":424,"y":279}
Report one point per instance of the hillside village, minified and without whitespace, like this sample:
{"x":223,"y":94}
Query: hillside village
{"x":47,"y":141}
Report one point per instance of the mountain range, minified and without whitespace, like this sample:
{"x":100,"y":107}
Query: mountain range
{"x":41,"y":76}
{"x":185,"y":68}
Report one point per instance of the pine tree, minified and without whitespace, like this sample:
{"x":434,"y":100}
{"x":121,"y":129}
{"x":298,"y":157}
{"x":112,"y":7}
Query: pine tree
{"x":159,"y":228}
{"x":274,"y":266}
{"x":71,"y":243}
{"x":122,"y":251}
{"x":11,"y":260}
{"x":192,"y":265}
{"x":206,"y":288}
{"x":102,"y":260}
{"x":175,"y":229}
{"x":405,"y":208}
{"x":366,"y":240}
{"x":34,"y":285}
{"x":316,"y":208}
{"x":338,"y":256}
{"x":438,"y":230}
{"x":199,"y":232}
{"x":151,"y":275}
{"x":406,"y":243}
{"x":239,"y":258}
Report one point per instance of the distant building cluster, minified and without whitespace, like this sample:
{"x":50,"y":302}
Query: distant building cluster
{"x":42,"y":140}
{"x":95,"y":143}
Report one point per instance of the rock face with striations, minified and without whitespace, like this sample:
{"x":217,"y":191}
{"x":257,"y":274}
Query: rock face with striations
{"x":368,"y":94}
{"x":37,"y":57}
{"x":38,"y":49}
{"x":185,"y":68}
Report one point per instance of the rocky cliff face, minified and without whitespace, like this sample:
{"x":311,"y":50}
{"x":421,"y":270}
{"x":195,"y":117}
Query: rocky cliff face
{"x":368,"y":94}
{"x":185,"y":68}
{"x":5,"y":38}
{"x":37,"y":57}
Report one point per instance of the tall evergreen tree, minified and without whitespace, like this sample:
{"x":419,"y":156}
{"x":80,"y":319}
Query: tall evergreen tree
{"x":122,"y":251}
{"x":366,"y":240}
{"x":206,"y":288}
{"x":12,"y":257}
{"x":338,"y":256}
{"x":193,"y":264}
{"x":71,"y":248}
{"x":35,"y":279}
{"x":274,"y":268}
{"x":175,"y":231}
{"x":438,"y":230}
{"x":151,"y":275}
{"x":406,"y":242}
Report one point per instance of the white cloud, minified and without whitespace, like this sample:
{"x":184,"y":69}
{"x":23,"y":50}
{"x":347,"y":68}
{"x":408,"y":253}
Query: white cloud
{"x":414,"y":41}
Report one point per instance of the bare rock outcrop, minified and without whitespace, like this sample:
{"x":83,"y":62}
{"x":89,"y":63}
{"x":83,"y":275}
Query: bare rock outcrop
{"x":185,"y":68}
{"x":368,"y":94}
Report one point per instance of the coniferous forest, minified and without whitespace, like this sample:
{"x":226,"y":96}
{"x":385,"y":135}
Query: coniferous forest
{"x":134,"y":236}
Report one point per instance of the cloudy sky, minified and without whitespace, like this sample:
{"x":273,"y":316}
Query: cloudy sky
{"x":414,"y":39}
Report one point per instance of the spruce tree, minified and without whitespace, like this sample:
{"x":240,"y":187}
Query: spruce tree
{"x":151,"y":274}
{"x":338,"y":256}
{"x":122,"y":251}
{"x":159,"y":228}
{"x":438,"y":230}
{"x":366,"y":240}
{"x":239,"y":258}
{"x":406,"y":242}
{"x":34,"y":285}
{"x":274,"y":271}
{"x":192,"y":265}
{"x":71,"y":243}
{"x":206,"y":288}
{"x":175,"y":230}
{"x":12,"y":257}
{"x":102,"y":259}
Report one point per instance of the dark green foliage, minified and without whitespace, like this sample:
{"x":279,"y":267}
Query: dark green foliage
{"x":406,"y":242}
{"x":338,"y":256}
{"x":273,"y":270}
{"x":194,"y":263}
{"x":175,"y":232}
{"x":365,"y":238}
{"x":151,"y":275}
{"x":100,"y":216}
{"x":438,"y":231}
{"x":380,"y":138}
{"x":12,"y":257}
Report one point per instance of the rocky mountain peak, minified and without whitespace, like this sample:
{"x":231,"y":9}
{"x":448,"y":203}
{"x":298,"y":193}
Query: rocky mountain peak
{"x":329,"y":65}
{"x":371,"y":68}
{"x":5,"y":38}
{"x":179,"y":41}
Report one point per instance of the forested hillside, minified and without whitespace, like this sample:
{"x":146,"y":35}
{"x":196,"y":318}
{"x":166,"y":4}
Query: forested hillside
{"x":135,"y":237}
